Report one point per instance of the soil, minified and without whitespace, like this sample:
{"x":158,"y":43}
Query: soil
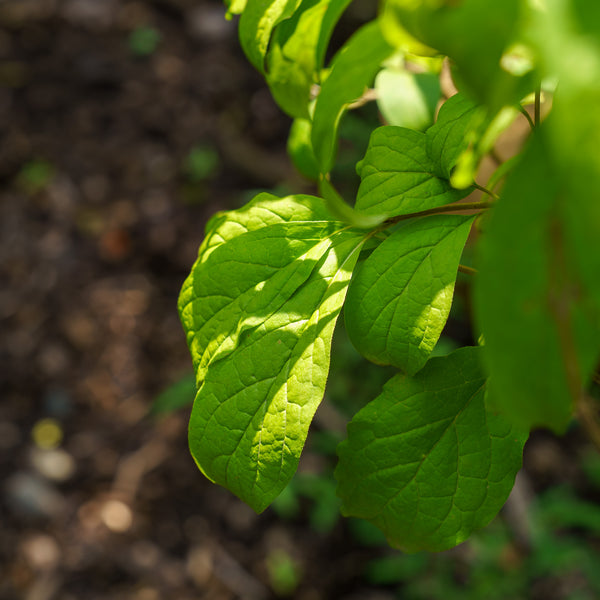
{"x":117,"y":146}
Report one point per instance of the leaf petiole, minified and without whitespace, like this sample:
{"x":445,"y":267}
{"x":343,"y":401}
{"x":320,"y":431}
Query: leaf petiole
{"x":448,"y":208}
{"x":527,"y":116}
{"x":467,"y":270}
{"x":486,"y":191}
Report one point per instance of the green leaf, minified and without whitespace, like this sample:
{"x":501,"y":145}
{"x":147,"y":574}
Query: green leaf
{"x":352,"y":70}
{"x":475,"y":34}
{"x":234,"y":7}
{"x":463,"y":134}
{"x":407,"y":99}
{"x":398,"y":36}
{"x":425,"y":461}
{"x":257,"y":22}
{"x":300,"y":150}
{"x":535,"y":298}
{"x":297,"y":51}
{"x":567,"y":37}
{"x":202,"y":311}
{"x":399,"y":177}
{"x":400,"y":297}
{"x":266,"y":298}
{"x":452,"y":134}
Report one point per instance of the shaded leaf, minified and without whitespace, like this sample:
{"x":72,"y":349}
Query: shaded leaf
{"x":426,"y":462}
{"x":568,"y":42}
{"x":540,"y":322}
{"x":352,"y":70}
{"x":451,"y":135}
{"x":300,"y":150}
{"x":407,"y":99}
{"x":475,"y":34}
{"x":398,"y":36}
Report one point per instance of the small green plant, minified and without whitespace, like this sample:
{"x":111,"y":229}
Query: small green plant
{"x":201,"y":163}
{"x":284,"y":573}
{"x":434,"y":456}
{"x":143,"y":41}
{"x":35,"y":176}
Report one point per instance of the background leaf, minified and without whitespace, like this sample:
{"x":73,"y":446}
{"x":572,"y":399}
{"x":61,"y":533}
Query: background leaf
{"x":234,"y":7}
{"x":179,"y":394}
{"x":538,"y":318}
{"x":425,"y":461}
{"x":567,"y":38}
{"x":475,"y":34}
{"x":407,"y":99}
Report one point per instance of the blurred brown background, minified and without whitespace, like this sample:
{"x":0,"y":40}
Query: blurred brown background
{"x":124,"y":125}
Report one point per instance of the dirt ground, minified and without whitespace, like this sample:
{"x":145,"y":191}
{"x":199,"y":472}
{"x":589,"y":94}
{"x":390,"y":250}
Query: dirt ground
{"x":124,"y":126}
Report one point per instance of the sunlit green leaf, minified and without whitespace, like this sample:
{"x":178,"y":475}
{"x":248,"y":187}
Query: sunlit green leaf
{"x":234,"y":7}
{"x":297,"y":52}
{"x":257,"y":22}
{"x":400,"y":297}
{"x":259,"y":308}
{"x":203,"y":313}
{"x":264,"y":209}
{"x":399,"y":177}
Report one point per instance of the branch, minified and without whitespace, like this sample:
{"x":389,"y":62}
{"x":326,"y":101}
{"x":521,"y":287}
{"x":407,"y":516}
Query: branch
{"x":486,"y":191}
{"x":467,"y":270}
{"x":367,"y":97}
{"x":588,"y":417}
{"x":448,"y":208}
{"x":527,"y":116}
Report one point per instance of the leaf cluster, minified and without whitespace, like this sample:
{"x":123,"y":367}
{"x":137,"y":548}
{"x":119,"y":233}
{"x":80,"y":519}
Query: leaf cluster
{"x":434,"y":456}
